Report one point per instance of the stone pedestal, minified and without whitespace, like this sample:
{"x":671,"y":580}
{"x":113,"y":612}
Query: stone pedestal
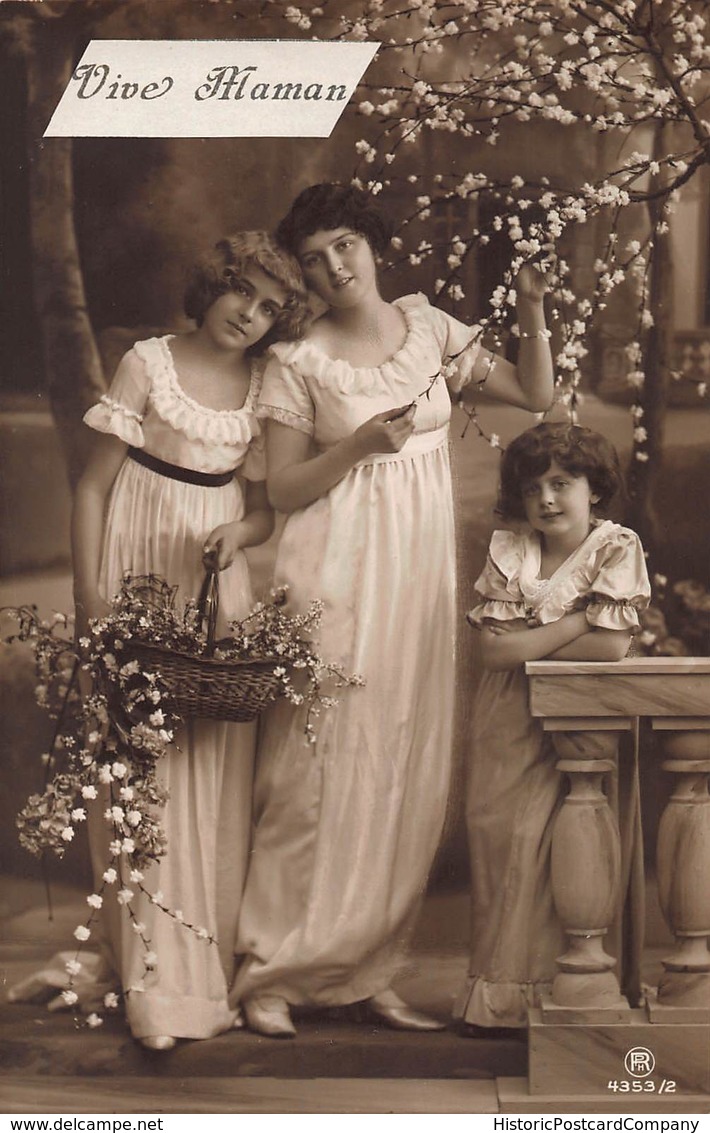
{"x":608,"y":1058}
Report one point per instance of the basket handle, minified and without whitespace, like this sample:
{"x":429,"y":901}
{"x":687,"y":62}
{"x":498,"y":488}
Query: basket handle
{"x":208,"y":606}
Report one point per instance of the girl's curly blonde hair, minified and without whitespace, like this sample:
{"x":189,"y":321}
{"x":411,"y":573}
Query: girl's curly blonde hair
{"x":220,"y":270}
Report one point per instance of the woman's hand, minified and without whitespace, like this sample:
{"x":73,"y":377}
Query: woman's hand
{"x":223,"y":545}
{"x":386,"y":432}
{"x":530,"y":284}
{"x":297,"y":478}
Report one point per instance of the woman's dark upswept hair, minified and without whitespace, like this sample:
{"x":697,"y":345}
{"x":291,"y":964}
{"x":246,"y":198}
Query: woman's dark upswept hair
{"x":221,"y":269}
{"x":328,"y":206}
{"x":579,"y":451}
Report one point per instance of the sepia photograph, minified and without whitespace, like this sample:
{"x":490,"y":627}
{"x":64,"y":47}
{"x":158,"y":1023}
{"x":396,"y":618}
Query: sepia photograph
{"x":355,"y":558}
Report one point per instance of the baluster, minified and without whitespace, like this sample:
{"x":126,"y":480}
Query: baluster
{"x":683,"y":865}
{"x":586,"y":865}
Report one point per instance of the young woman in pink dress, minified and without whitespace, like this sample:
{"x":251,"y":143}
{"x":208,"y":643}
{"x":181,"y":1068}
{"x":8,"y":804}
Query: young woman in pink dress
{"x":358,"y":458}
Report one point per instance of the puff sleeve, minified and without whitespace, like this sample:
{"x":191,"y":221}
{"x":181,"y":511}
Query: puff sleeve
{"x":498,"y":583}
{"x":459,"y":348}
{"x":621,"y":587}
{"x":120,"y":411}
{"x":285,"y":397}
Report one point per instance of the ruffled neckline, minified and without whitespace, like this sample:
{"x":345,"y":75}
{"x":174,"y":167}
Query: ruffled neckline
{"x":518,"y":557}
{"x":310,"y":361}
{"x":510,"y":585}
{"x":198,"y":422}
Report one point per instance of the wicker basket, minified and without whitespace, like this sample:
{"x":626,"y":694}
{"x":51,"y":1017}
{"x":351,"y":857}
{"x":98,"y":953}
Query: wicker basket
{"x":204,"y":685}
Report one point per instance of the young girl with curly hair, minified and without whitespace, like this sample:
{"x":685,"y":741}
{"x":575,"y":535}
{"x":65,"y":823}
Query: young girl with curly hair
{"x":565,"y":584}
{"x":178,"y":474}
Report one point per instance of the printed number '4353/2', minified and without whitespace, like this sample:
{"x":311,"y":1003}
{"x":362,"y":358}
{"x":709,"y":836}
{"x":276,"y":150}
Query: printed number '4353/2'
{"x":623,"y":1086}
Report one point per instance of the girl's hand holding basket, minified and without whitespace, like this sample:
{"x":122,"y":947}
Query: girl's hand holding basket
{"x":222,"y":546}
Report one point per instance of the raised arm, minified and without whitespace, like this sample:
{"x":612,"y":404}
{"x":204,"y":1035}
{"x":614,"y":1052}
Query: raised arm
{"x":296,"y":478}
{"x":87,"y":525}
{"x":530,"y":384}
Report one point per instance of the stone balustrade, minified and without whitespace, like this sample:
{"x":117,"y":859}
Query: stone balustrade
{"x":586,"y":707}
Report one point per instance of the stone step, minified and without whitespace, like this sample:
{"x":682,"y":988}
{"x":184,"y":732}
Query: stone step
{"x":328,"y":1045}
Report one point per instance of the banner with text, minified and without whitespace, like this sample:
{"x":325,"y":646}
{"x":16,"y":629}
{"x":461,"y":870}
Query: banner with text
{"x":157,"y":88}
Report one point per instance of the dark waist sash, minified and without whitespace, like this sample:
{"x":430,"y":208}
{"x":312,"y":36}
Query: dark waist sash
{"x":175,"y":472}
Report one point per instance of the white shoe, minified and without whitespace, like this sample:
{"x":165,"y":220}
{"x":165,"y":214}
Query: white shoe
{"x":269,"y":1015}
{"x":157,"y":1042}
{"x":389,"y":1009}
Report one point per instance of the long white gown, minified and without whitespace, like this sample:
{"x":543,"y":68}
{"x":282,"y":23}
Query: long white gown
{"x":346,"y":830}
{"x":157,"y":524}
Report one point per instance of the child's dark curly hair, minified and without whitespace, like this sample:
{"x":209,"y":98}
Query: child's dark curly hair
{"x":328,"y":206}
{"x":221,"y":269}
{"x":579,"y":451}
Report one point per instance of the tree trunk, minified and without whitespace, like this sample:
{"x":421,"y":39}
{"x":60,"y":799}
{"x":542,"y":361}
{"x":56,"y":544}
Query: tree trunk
{"x":72,"y":365}
{"x":657,"y":346}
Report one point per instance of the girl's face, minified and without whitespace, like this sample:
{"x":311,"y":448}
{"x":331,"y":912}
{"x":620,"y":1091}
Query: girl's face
{"x":339,"y":266}
{"x":243,"y":315}
{"x":559,"y":505}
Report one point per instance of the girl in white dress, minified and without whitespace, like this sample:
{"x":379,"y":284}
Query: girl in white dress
{"x":346,"y":830}
{"x":177,"y":474}
{"x":569,"y":587}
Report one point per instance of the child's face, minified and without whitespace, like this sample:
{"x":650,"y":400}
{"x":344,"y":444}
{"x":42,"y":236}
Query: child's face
{"x":559,"y":504}
{"x":244,"y":314}
{"x":339,"y":266}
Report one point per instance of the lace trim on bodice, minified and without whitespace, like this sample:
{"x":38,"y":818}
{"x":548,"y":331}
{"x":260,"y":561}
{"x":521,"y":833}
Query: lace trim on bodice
{"x":286,"y":417}
{"x":554,"y":594}
{"x":197,"y":422}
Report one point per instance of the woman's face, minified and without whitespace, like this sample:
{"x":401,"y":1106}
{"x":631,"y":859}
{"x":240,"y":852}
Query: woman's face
{"x":339,"y":266}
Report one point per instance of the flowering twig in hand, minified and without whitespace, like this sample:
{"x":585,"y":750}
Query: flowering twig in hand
{"x":400,"y":412}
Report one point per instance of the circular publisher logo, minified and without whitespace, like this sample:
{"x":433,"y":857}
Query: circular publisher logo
{"x":639,"y":1062}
